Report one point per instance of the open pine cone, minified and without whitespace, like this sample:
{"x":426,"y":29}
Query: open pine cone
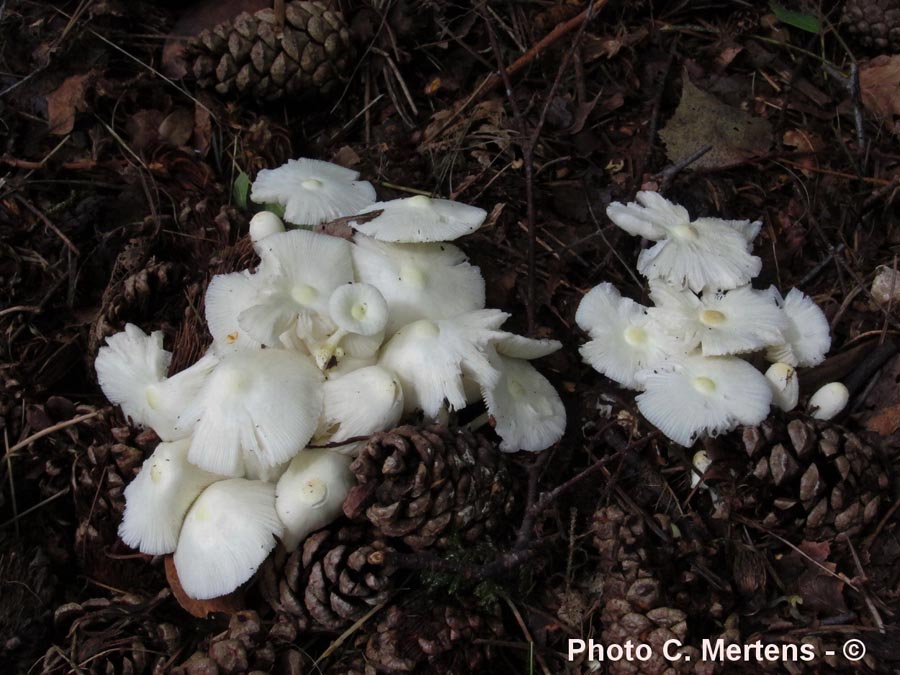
{"x":337,"y":575}
{"x":829,"y":480}
{"x":875,"y":23}
{"x":426,"y":486}
{"x":252,"y":56}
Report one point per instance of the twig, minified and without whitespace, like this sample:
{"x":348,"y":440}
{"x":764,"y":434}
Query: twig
{"x":44,"y":219}
{"x":814,"y":272}
{"x":876,"y":616}
{"x":668,"y":174}
{"x":53,"y":429}
{"x":853,"y":87}
{"x":495,"y":79}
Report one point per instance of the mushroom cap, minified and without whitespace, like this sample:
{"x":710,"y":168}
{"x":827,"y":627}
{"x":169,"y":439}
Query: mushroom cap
{"x":419,"y":281}
{"x":131,"y":371}
{"x":706,"y":253}
{"x":829,"y":401}
{"x":358,"y":308}
{"x":311,"y":493}
{"x":688,"y":396}
{"x":227,"y":295}
{"x":159,"y":497}
{"x":807,"y":336}
{"x":430,"y":357}
{"x":651,"y":217}
{"x":785,"y":386}
{"x":625,"y":338}
{"x":421,"y":219}
{"x":312,"y":191}
{"x":724,"y":322}
{"x":521,"y":347}
{"x":527,"y":411}
{"x":361,"y":403}
{"x":226,"y":535}
{"x":749,"y":229}
{"x":264,"y":402}
{"x":263,"y":224}
{"x":298,"y":272}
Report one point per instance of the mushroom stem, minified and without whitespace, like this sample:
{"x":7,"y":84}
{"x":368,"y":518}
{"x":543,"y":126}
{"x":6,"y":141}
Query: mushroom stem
{"x":325,"y":350}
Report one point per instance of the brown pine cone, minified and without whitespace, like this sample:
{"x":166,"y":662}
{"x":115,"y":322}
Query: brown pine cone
{"x":633,"y":598}
{"x":815,"y":474}
{"x":875,"y":23}
{"x":250,"y":56}
{"x":247,"y":646}
{"x":108,"y":637}
{"x":336,"y":577}
{"x":424,"y":636}
{"x":427,"y":486}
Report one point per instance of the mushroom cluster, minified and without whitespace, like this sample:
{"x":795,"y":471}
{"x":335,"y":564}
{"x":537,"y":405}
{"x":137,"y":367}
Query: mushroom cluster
{"x":684,"y":353}
{"x":326,"y":342}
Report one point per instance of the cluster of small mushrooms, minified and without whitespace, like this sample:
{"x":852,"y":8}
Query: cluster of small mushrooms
{"x":683,"y":353}
{"x":328,"y":341}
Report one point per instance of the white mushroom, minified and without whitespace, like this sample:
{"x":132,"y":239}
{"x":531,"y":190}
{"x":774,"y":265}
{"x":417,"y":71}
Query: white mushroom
{"x":688,"y":396}
{"x":298,"y":272}
{"x":785,"y":385}
{"x":357,"y":309}
{"x":264,"y":402}
{"x":705,"y":253}
{"x":263,"y":224}
{"x":227,"y":295}
{"x":419,"y":281}
{"x":521,"y":347}
{"x":807,"y":336}
{"x":528,"y":413}
{"x":359,"y":404}
{"x":625,"y":338}
{"x":829,"y":401}
{"x":725,"y":322}
{"x":421,"y":219}
{"x":311,"y":493}
{"x":159,"y":497}
{"x":131,"y":370}
{"x":227,"y":534}
{"x":701,"y":463}
{"x":312,"y":191}
{"x":430,"y":357}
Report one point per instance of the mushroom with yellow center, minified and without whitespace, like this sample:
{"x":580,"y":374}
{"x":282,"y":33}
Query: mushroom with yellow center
{"x":687,"y":397}
{"x":157,"y":500}
{"x":360,"y":313}
{"x":696,"y":254}
{"x":312,"y":191}
{"x":625,"y":338}
{"x":311,"y":493}
{"x":265,"y":403}
{"x":722,"y":323}
{"x":131,"y":370}
{"x":418,"y":281}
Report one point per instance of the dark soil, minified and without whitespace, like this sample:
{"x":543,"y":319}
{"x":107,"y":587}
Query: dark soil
{"x":105,"y":220}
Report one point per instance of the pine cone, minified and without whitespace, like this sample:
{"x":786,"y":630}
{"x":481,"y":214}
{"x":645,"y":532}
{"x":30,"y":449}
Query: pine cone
{"x":247,"y":646}
{"x":633,"y":601}
{"x":423,"y":636}
{"x":335,"y":578}
{"x":875,"y":23}
{"x":426,"y":486}
{"x":107,"y":637}
{"x":248,"y":56}
{"x":813,"y":473}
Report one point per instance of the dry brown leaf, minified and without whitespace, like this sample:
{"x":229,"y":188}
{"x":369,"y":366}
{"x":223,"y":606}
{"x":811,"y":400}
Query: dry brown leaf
{"x":702,"y":119}
{"x":66,"y":101}
{"x":884,"y":401}
{"x":879,"y":87}
{"x":227,"y":604}
{"x":804,"y":141}
{"x":596,"y":47}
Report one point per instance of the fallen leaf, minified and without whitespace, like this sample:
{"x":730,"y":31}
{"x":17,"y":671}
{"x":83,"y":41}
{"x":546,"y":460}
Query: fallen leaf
{"x":177,"y":127}
{"x":702,"y":119}
{"x":143,"y":128}
{"x":879,"y":87}
{"x":596,"y":47}
{"x":66,"y":101}
{"x":804,"y":141}
{"x":228,"y":604}
{"x":884,"y":401}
